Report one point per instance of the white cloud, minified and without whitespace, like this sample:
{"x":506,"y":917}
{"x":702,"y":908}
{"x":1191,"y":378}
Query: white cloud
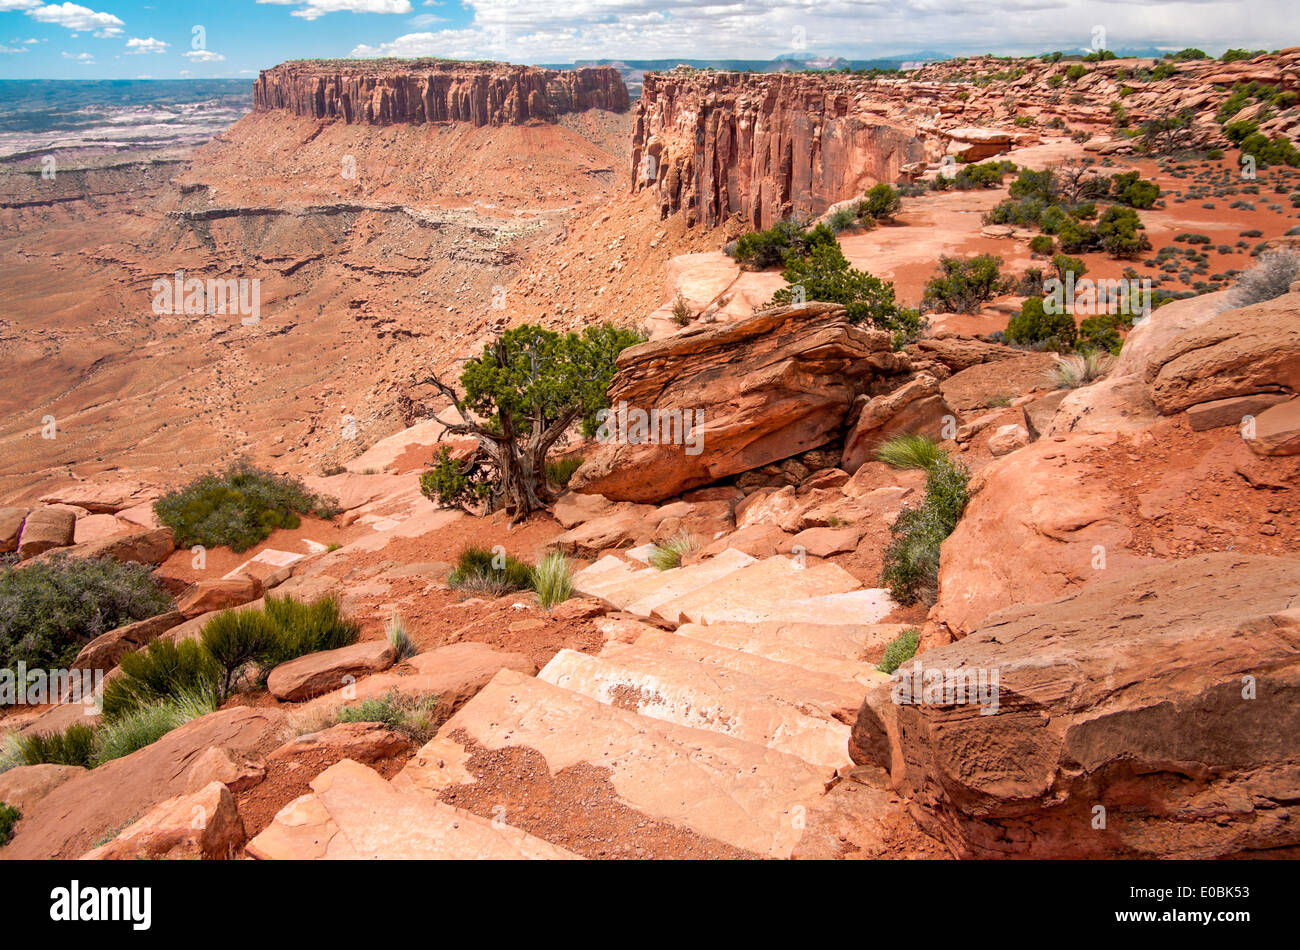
{"x":9,"y":5}
{"x":13,"y":49}
{"x":204,"y":56}
{"x":76,"y":17}
{"x":563,"y":30}
{"x":136,"y":46}
{"x":314,"y":9}
{"x":82,"y":59}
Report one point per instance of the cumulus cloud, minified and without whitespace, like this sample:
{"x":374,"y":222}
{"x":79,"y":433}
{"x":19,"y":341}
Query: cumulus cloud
{"x":561,"y":30}
{"x":203,"y":56}
{"x":315,"y":9}
{"x":7,"y":6}
{"x":76,"y":17}
{"x":136,"y":46}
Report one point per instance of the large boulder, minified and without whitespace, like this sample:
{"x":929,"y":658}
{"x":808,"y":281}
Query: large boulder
{"x":1142,"y":346}
{"x":70,"y":820}
{"x":1154,"y":715}
{"x":219,"y":594}
{"x":760,"y":389}
{"x":318,"y":673}
{"x":1239,"y":352}
{"x":917,"y":407}
{"x":1276,"y":431}
{"x":198,"y":826}
{"x":11,"y":526}
{"x":140,"y":547}
{"x":45,"y":529}
{"x":105,"y":652}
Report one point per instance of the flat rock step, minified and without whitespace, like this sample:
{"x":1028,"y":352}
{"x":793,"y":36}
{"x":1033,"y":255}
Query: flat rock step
{"x":717,"y":786}
{"x":752,"y":592}
{"x":642,"y":597}
{"x":793,"y":681}
{"x":745,"y":639}
{"x":606,"y":574}
{"x":842,"y":641}
{"x":686,"y":692}
{"x":352,"y":813}
{"x":856,"y":606}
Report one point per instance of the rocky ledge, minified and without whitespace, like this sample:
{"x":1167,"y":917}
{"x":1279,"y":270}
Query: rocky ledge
{"x":388,"y":92}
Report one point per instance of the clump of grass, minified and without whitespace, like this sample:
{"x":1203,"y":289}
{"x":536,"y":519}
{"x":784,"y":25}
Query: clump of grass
{"x":147,"y":724}
{"x":239,"y":507}
{"x":8,"y":818}
{"x":74,"y":746}
{"x":668,"y":554}
{"x":480,"y":571}
{"x":161,"y":671}
{"x":909,"y":451}
{"x":682,"y":312}
{"x":399,"y":639}
{"x":416,"y":717}
{"x":304,"y":628}
{"x":1080,"y":369}
{"x":911,"y":561}
{"x":553,"y":580}
{"x":899,"y":650}
{"x":561,"y":471}
{"x":49,"y":611}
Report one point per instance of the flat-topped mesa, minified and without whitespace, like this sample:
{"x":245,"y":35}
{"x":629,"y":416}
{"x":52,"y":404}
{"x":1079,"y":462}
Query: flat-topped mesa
{"x":389,"y":92}
{"x":765,"y":146}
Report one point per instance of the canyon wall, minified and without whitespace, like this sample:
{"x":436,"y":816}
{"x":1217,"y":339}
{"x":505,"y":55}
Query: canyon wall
{"x":417,"y":91}
{"x":765,"y":146}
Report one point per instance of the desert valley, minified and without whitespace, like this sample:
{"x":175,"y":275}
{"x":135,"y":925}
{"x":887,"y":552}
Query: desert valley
{"x":458,"y":459}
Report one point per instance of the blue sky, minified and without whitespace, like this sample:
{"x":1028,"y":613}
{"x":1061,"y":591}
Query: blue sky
{"x":158,"y":39}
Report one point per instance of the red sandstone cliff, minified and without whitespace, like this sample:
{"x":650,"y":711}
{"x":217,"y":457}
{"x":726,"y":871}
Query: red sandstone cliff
{"x":425,"y":90}
{"x":763,"y":146}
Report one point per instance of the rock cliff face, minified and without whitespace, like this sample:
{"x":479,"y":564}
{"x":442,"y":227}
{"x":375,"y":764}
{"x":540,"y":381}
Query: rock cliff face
{"x":763,"y":146}
{"x":418,"y":91}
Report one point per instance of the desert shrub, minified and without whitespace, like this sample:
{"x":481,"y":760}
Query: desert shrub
{"x":561,"y":471}
{"x":909,"y":451}
{"x":1119,"y":232}
{"x":760,"y":250}
{"x":236,"y":638}
{"x":303,"y":628}
{"x":899,"y":650}
{"x":1099,"y":333}
{"x":1271,"y":277}
{"x":963,"y":283}
{"x":1075,"y":72}
{"x":668,"y":554}
{"x":1068,"y":268}
{"x":480,"y":571}
{"x":73,"y":746}
{"x":239,"y":508}
{"x":843,"y":218}
{"x":146,"y":724}
{"x":911,"y":561}
{"x":1017,"y":212}
{"x":1030,"y":283}
{"x":49,"y":611}
{"x":1129,"y":188}
{"x":682,"y":312}
{"x":1275,"y":151}
{"x":8,"y":818}
{"x":1034,"y":326}
{"x":1080,"y":369}
{"x":1041,"y":244}
{"x":881,"y":203}
{"x":400,"y":639}
{"x":416,"y":717}
{"x":163,"y":670}
{"x":553,"y":580}
{"x":983,"y":175}
{"x":824,"y":274}
{"x":1232,"y":55}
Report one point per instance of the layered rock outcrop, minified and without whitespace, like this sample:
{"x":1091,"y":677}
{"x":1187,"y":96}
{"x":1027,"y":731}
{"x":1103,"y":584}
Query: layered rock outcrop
{"x":427,"y":90}
{"x":1155,"y":714}
{"x":755,"y":391}
{"x":764,"y":146}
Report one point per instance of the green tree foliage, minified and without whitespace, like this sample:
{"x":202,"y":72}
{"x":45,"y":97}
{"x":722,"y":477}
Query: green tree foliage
{"x":518,"y":397}
{"x":825,"y":275}
{"x":963,"y":283}
{"x":881,"y":203}
{"x":1034,"y":326}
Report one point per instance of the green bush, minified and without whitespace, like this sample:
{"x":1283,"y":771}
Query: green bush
{"x":561,"y":471}
{"x":236,"y":638}
{"x":553,"y":580}
{"x":400,"y":639}
{"x":911,"y":561}
{"x":1099,"y":333}
{"x":49,"y":611}
{"x":1041,"y":244}
{"x":415,"y":717}
{"x":909,"y":451}
{"x":760,"y":250}
{"x":73,"y":746}
{"x":161,"y":671}
{"x":825,"y":275}
{"x":303,"y":628}
{"x":1034,"y":326}
{"x":668,"y":554}
{"x":963,"y":283}
{"x":450,"y":482}
{"x":1131,"y":189}
{"x":239,"y":508}
{"x":899,"y":650}
{"x":1119,"y":232}
{"x":1068,"y":268}
{"x":480,"y":571}
{"x":881,"y":203}
{"x":8,"y":818}
{"x":145,"y":725}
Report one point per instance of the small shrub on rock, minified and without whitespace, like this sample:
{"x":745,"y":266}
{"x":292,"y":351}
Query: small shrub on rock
{"x":8,"y":818}
{"x":553,"y":580}
{"x":73,"y":746}
{"x":161,"y":671}
{"x":881,"y":203}
{"x":909,"y":452}
{"x":911,"y":562}
{"x":1271,"y":277}
{"x":146,"y":724}
{"x":668,"y":554}
{"x":899,"y":650}
{"x":480,"y":571}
